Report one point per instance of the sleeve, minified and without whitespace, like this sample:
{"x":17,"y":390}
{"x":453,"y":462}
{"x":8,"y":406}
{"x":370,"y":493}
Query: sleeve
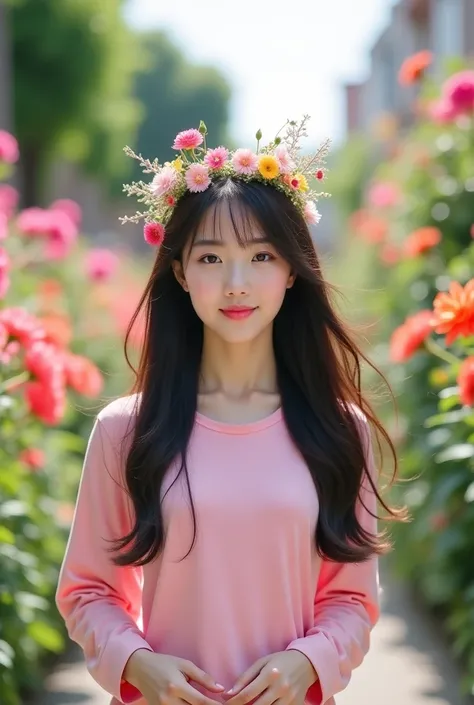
{"x":346,"y":608}
{"x":99,"y":601}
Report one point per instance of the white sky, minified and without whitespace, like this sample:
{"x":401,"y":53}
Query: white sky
{"x":283,"y":58}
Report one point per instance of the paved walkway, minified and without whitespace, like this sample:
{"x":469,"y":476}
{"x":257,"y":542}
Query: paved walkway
{"x":406,"y":665}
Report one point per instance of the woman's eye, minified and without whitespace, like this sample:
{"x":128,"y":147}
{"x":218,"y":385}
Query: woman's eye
{"x":209,"y":259}
{"x":263,"y":257}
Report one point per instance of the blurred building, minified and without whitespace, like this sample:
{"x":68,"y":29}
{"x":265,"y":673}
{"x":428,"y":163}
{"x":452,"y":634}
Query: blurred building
{"x":445,"y":27}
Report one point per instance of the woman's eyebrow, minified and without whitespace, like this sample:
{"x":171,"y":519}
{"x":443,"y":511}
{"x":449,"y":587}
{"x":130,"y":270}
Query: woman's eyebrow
{"x":212,"y":242}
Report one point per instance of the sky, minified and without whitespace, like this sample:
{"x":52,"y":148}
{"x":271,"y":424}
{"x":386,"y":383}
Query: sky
{"x":282,"y":58}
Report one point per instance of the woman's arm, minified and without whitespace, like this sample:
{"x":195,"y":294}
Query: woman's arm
{"x":346,"y":606}
{"x":99,"y":601}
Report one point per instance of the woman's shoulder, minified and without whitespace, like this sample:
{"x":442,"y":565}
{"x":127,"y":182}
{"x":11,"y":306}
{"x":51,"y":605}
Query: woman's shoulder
{"x":118,"y":416}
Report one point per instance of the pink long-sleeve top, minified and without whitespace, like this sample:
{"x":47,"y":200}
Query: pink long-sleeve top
{"x":251,"y":586}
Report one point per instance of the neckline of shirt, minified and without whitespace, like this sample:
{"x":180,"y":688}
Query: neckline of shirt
{"x":243,"y":428}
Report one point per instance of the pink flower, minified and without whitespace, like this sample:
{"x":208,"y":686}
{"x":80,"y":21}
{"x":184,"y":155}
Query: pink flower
{"x":442,"y":111}
{"x":197,"y":178}
{"x":4,"y":276}
{"x":9,"y":198}
{"x":311,"y":213}
{"x":458,"y":91}
{"x":9,"y":152}
{"x":284,"y":160}
{"x":3,"y":226}
{"x":62,"y":233}
{"x":33,"y":221}
{"x":22,"y":325}
{"x":33,"y":458}
{"x":101,"y":264}
{"x":245,"y":161}
{"x":383,"y":195}
{"x":70,"y":208}
{"x":216,"y":158}
{"x":44,"y":362}
{"x":3,"y":335}
{"x":170,"y":200}
{"x":188,"y":139}
{"x":46,"y":401}
{"x":164,"y":181}
{"x":154,"y":234}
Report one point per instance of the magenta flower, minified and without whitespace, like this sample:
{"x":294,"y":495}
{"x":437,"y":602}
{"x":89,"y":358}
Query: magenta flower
{"x":70,"y":207}
{"x":9,"y":198}
{"x":101,"y":264}
{"x":442,"y":112}
{"x":188,"y":139}
{"x":154,"y":234}
{"x":197,"y":178}
{"x":311,"y":213}
{"x":164,"y":181}
{"x":245,"y":161}
{"x":458,"y":91}
{"x":9,"y":152}
{"x":216,"y":158}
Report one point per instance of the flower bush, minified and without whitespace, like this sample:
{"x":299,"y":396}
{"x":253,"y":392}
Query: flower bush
{"x":413,"y":233}
{"x":64,"y":307}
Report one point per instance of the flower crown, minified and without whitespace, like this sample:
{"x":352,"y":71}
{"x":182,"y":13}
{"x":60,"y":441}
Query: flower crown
{"x":278,"y":164}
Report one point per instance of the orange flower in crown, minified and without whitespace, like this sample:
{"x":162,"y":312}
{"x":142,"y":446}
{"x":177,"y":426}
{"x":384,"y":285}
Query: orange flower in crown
{"x":195,"y":167}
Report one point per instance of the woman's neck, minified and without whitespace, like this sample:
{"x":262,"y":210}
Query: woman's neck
{"x":238,"y":379}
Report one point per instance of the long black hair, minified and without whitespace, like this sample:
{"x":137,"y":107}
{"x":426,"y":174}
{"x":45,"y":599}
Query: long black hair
{"x":318,"y":375}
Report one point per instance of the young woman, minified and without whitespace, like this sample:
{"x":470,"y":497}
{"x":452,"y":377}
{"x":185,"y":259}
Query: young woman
{"x":224,"y":546}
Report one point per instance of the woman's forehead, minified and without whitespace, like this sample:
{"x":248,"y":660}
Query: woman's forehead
{"x":228,"y":221}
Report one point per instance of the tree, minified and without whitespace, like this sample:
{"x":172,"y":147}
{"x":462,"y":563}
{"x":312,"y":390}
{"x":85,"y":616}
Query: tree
{"x":176,"y":96}
{"x":73,"y":70}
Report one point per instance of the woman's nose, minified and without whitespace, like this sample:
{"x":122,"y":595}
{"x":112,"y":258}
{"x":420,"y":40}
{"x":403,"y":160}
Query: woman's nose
{"x":237,"y":280}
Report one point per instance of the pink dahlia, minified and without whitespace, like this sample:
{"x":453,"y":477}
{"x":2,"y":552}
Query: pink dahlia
{"x":284,"y":160}
{"x":154,"y":234}
{"x":164,"y":181}
{"x":311,"y":213}
{"x":383,"y":195}
{"x":458,"y":91}
{"x":197,"y":178}
{"x":62,"y":233}
{"x":9,"y":198}
{"x":33,"y":221}
{"x":9,"y":152}
{"x":70,"y":207}
{"x":188,"y":139}
{"x":101,"y":264}
{"x":216,"y":158}
{"x":245,"y":161}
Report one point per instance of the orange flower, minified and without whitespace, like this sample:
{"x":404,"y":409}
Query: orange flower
{"x":57,"y":329}
{"x":466,"y":381}
{"x":421,"y":240}
{"x":407,"y":338}
{"x":454,"y":311}
{"x":369,"y":227}
{"x":414,"y":67}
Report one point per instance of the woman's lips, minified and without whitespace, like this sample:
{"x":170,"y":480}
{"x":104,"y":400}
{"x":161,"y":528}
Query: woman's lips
{"x":237,"y":313}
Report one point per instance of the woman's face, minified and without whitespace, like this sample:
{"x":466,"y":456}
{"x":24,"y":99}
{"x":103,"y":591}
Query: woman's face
{"x":236,"y":290}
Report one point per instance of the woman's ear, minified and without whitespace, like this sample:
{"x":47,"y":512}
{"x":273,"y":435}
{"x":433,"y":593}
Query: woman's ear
{"x":179,"y":273}
{"x":291,"y":281}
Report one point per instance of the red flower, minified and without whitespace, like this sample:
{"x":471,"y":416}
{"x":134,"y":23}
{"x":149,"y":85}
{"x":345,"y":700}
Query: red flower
{"x":82,"y":375}
{"x":22,"y":325}
{"x":43,"y":361}
{"x":421,"y":240}
{"x":454,"y":311}
{"x":320,"y":175}
{"x":414,"y":67}
{"x":46,"y":401}
{"x":34,"y":458}
{"x":407,"y":338}
{"x":154,"y":234}
{"x":466,"y":381}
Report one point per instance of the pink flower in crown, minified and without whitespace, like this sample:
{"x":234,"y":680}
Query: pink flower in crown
{"x":170,"y":200}
{"x":164,"y":181}
{"x":101,"y":264}
{"x":197,"y":178}
{"x":9,"y":198}
{"x":9,"y":152}
{"x":311,"y":213}
{"x":216,"y":158}
{"x":284,"y":160}
{"x":458,"y":91}
{"x":154,"y":234}
{"x":245,"y":161}
{"x":188,"y":139}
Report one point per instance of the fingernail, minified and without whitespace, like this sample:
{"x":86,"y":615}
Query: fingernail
{"x":218,"y":685}
{"x":229,"y":692}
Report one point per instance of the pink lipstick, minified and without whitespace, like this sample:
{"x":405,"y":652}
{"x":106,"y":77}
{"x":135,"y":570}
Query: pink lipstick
{"x":237,"y":313}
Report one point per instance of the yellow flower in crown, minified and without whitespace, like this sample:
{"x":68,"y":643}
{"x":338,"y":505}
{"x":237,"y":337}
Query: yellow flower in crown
{"x":302,"y":182}
{"x":268,"y":167}
{"x":177,"y":164}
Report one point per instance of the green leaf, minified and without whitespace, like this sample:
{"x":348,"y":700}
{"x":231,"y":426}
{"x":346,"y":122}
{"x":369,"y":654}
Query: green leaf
{"x":461,"y":451}
{"x":6,"y":536}
{"x":46,"y":636}
{"x":447,"y":418}
{"x":7,"y":654}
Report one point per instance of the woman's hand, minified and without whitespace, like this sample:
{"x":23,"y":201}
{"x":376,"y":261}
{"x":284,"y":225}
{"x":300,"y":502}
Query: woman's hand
{"x":164,"y":680}
{"x":281,"y":678}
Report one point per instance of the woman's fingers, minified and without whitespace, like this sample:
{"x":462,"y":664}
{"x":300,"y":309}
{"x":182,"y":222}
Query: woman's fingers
{"x":251,"y":691}
{"x":196,"y":674}
{"x":247,"y":677}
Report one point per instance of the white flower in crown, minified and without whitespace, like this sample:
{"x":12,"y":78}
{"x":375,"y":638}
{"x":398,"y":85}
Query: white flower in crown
{"x":279,"y":164}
